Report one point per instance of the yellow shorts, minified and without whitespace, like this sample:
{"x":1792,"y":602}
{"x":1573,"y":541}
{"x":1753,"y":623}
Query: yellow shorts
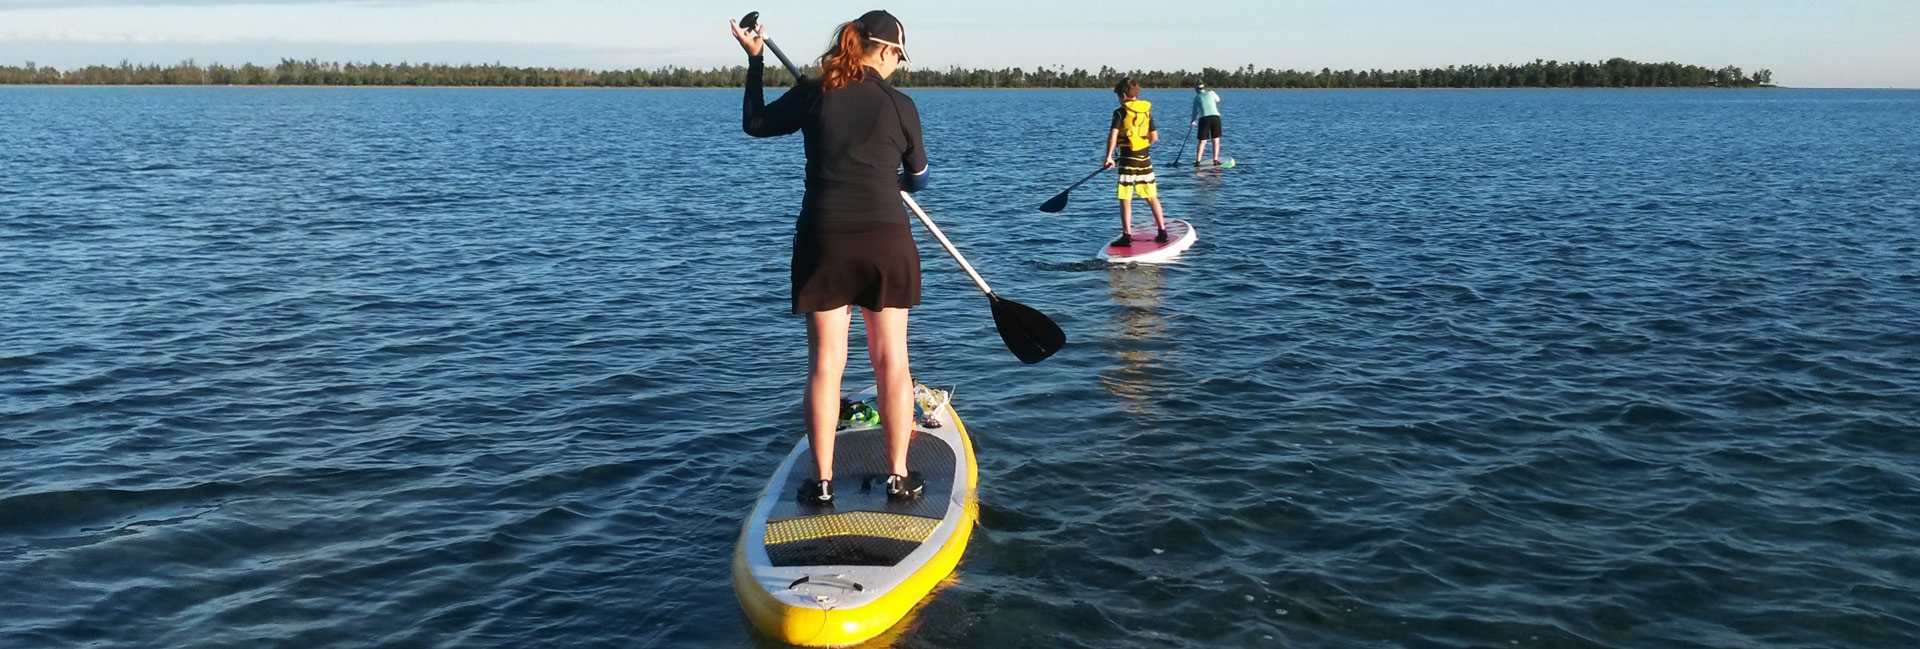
{"x":1145,"y":190}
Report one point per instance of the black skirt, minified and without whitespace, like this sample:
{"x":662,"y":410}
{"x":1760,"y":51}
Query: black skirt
{"x":872,"y":264}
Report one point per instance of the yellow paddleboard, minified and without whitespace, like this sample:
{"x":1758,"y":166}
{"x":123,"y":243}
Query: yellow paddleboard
{"x":834,"y":576}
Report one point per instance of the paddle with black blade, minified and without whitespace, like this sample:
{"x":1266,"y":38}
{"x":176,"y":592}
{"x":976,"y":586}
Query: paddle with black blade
{"x":1059,"y":201}
{"x":1029,"y":334}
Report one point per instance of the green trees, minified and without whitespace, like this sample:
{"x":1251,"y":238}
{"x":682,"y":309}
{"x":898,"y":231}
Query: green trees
{"x":1615,"y":72}
{"x":1538,"y":74}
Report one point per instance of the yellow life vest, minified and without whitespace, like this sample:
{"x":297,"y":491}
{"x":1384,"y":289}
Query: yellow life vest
{"x":1137,"y":123}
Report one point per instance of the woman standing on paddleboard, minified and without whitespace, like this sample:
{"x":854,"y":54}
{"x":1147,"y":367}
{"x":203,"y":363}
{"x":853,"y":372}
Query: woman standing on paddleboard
{"x":851,"y":245}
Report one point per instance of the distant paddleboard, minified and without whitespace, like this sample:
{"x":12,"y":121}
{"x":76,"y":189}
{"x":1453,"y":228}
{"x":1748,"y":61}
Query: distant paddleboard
{"x":1180,"y":236}
{"x":841,"y":574}
{"x":1224,"y":164}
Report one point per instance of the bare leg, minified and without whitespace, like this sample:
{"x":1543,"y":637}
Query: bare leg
{"x":1126,"y":216}
{"x":1159,"y":217}
{"x":887,"y":347}
{"x":826,"y":361}
{"x":1199,"y":152}
{"x":1216,"y":150}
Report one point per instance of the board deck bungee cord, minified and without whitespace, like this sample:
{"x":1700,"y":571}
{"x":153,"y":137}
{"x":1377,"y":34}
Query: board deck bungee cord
{"x":1180,"y":236}
{"x":832,"y":576}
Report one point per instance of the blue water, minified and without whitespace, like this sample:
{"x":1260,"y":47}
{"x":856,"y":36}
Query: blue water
{"x":506,"y":368}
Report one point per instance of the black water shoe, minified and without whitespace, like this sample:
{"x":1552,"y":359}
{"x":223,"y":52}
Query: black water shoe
{"x":1162,"y":238}
{"x":818,"y":492}
{"x":1125,"y":241}
{"x":908,"y":487}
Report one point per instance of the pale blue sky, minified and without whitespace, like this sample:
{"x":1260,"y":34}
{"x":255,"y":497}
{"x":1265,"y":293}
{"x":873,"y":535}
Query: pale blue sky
{"x":1854,"y":43}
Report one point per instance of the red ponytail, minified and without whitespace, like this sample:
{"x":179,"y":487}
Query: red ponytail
{"x":841,"y":65}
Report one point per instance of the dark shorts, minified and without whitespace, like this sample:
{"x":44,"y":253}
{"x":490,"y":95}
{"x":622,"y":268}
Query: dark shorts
{"x":872,"y":264}
{"x":1209,"y":127}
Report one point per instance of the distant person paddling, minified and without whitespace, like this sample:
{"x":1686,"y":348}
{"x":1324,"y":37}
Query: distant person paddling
{"x":851,"y":244}
{"x":1206,"y":118}
{"x":1131,"y":132}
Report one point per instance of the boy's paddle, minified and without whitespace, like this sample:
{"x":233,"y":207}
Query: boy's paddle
{"x":1029,"y":334}
{"x":1059,"y":201}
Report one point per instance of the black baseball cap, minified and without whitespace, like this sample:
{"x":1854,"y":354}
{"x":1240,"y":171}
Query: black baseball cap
{"x":881,"y":27}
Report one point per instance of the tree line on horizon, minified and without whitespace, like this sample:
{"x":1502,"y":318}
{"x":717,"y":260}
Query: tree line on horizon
{"x":1613,"y":73}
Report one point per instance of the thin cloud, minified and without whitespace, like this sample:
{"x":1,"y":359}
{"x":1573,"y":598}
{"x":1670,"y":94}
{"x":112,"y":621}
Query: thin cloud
{"x":71,"y":4}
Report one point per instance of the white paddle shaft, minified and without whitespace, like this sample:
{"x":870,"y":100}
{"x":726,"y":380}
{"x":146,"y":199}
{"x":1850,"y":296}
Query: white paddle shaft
{"x":908,"y":198}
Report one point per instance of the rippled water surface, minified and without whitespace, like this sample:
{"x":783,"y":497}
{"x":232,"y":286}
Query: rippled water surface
{"x":506,"y":368}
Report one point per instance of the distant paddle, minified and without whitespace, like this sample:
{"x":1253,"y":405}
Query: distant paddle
{"x":1059,"y":201}
{"x":1182,"y":155}
{"x":1028,"y":333}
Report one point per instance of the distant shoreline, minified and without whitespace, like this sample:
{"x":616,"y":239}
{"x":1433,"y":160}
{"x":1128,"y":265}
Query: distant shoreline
{"x":1611,"y":73}
{"x":736,"y":88}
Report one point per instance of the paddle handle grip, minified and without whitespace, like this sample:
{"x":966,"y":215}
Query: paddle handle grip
{"x":944,"y":243}
{"x":752,"y":21}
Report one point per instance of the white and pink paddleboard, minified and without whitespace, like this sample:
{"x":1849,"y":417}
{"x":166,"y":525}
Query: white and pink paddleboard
{"x":1145,"y":250}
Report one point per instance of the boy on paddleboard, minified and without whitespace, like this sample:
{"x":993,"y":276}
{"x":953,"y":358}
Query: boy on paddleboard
{"x":1132,"y":131}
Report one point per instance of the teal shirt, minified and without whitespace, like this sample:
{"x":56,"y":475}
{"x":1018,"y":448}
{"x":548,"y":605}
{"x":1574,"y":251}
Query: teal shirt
{"x":1206,"y":104}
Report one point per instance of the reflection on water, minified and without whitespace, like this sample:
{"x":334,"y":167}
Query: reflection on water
{"x":1139,"y":337}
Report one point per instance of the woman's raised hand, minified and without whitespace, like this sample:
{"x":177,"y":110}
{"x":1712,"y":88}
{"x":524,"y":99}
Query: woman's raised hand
{"x":751,"y":40}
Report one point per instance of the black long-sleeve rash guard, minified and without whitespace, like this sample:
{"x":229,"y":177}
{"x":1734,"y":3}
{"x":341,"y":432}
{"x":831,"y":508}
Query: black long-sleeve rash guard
{"x":858,"y":139}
